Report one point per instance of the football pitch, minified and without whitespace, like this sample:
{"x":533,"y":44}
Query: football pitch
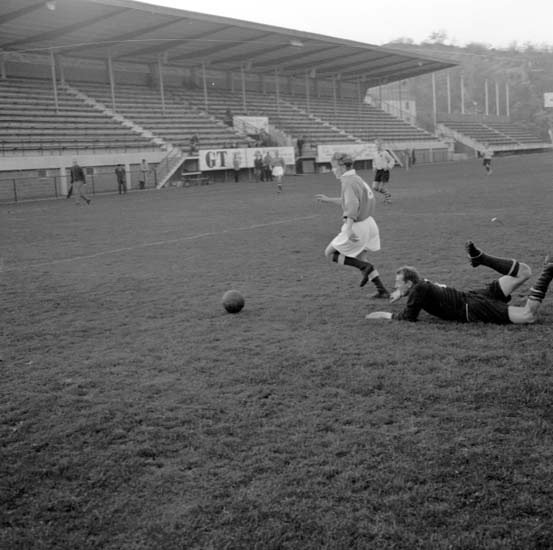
{"x":137,"y":414}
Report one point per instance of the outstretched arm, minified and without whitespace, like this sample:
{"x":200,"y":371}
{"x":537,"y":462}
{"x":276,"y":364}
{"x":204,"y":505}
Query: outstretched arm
{"x":333,"y":200}
{"x":386,"y":315}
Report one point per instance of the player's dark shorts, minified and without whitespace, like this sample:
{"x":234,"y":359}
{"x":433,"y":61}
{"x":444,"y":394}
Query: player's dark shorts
{"x":487,"y":162}
{"x":488,"y":305}
{"x":382,"y":176}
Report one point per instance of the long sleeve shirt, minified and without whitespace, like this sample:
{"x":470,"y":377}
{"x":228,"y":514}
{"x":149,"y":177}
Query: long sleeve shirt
{"x":358,"y":201}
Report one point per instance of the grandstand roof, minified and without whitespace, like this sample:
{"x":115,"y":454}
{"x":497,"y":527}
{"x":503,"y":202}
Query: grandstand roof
{"x":145,"y":33}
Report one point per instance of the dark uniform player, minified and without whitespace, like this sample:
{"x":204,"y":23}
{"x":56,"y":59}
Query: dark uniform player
{"x":487,"y":305}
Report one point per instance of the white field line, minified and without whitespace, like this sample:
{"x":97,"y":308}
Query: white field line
{"x":154,"y":243}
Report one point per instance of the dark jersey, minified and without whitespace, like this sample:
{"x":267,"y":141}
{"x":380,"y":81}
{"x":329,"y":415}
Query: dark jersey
{"x":488,"y":305}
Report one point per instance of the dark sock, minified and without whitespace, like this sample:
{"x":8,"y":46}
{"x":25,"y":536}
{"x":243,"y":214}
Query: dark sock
{"x":366,"y":267}
{"x":503,"y":266}
{"x":377,"y":281}
{"x":538,"y":291}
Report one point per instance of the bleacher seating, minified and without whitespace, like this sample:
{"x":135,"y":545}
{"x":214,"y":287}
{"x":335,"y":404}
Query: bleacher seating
{"x":515,"y":131}
{"x":364,"y":121}
{"x":505,"y":135}
{"x":30,"y":122}
{"x":176,"y":123}
{"x":284,"y":116}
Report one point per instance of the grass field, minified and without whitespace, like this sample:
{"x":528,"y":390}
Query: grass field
{"x":137,"y":414}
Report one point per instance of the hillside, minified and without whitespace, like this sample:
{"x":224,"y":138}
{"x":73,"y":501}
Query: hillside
{"x":527,"y":73}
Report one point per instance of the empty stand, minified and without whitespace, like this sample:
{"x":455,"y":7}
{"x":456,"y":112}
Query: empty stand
{"x":31,"y":123}
{"x":284,"y":116}
{"x":365,"y":122}
{"x":175,"y":120}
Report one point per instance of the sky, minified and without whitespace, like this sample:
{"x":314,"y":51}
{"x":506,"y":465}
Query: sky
{"x":497,"y":23}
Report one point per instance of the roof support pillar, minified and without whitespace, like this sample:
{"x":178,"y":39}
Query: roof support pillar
{"x":462,"y":94}
{"x":334,"y":98}
{"x":400,"y":99}
{"x":486,"y":96}
{"x":434,"y":112}
{"x":359,"y":96}
{"x":3,"y":71}
{"x":161,"y":86}
{"x":448,"y":82}
{"x":277,"y":91}
{"x":496,"y":98}
{"x":244,"y":102}
{"x":507,"y":109}
{"x":59,"y":64}
{"x":204,"y":81}
{"x":111,"y":81}
{"x":54,"y":83}
{"x":307,"y":91}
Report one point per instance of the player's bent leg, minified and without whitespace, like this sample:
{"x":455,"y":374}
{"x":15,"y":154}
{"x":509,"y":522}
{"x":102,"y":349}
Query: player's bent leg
{"x":509,"y":283}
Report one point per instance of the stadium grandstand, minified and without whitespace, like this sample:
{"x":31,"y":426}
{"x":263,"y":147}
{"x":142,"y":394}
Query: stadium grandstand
{"x":117,"y":81}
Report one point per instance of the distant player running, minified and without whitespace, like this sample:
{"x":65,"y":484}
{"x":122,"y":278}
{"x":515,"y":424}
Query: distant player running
{"x":383,"y":162}
{"x":487,"y":155}
{"x":486,"y":305}
{"x":359,"y":233}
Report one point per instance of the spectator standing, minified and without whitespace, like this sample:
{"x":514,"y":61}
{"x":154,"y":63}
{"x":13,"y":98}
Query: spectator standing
{"x":300,"y":144}
{"x":144,"y":169}
{"x":228,"y":118}
{"x":194,"y":144}
{"x":258,"y":167}
{"x":121,"y":175}
{"x":267,"y":168}
{"x":78,"y":181}
{"x":236,"y":162}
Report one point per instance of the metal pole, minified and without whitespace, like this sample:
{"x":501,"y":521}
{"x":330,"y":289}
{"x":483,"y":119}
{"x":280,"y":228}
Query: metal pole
{"x":60,"y":68}
{"x":496,"y":98}
{"x":462,"y":95}
{"x":111,"y":81}
{"x":399,"y":99}
{"x":277,"y":90}
{"x":205,"y":86}
{"x":507,"y":108}
{"x":14,"y":190}
{"x":3,"y":66}
{"x":307,"y":91}
{"x":244,"y":104}
{"x":54,"y":83}
{"x":335,"y":99}
{"x":448,"y":94}
{"x":161,"y":88}
{"x":486,"y":96}
{"x":359,"y":96}
{"x":434,"y":113}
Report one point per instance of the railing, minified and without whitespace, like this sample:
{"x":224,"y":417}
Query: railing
{"x":167,"y":165}
{"x":34,"y":187}
{"x":7,"y":150}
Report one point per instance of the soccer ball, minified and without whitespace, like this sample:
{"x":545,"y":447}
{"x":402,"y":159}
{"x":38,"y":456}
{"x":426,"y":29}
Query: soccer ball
{"x":233,"y":301}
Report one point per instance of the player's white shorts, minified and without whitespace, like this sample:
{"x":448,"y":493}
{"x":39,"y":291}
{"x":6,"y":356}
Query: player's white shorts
{"x":278,"y":171}
{"x":369,"y":238}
